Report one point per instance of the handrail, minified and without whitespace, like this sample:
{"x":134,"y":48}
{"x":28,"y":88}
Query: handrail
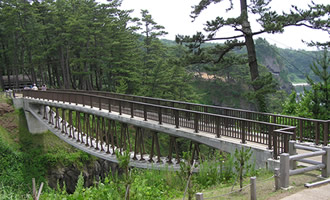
{"x":244,"y":129}
{"x":314,"y":130}
{"x":193,"y":104}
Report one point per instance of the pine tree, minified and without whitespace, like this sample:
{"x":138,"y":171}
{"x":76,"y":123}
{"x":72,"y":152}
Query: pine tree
{"x":270,"y":21}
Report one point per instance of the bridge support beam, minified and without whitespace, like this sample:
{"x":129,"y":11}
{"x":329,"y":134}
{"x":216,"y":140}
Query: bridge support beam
{"x":34,"y":125}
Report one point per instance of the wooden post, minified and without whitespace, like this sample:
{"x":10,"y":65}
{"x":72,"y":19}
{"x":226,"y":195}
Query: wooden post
{"x":253,"y":188}
{"x":199,"y":196}
{"x":325,"y":133}
{"x":326,"y":162}
{"x":160,"y":115}
{"x":217,"y":121}
{"x":120,"y":108}
{"x":277,"y":178}
{"x":273,"y":134}
{"x":317,"y":133}
{"x":40,"y":189}
{"x":243,"y":132}
{"x":176,"y":114}
{"x":34,"y":193}
{"x":145,"y":113}
{"x":284,"y":170}
{"x":109,"y":105}
{"x":132,"y":110}
{"x":270,"y":135}
{"x":301,"y":130}
{"x":196,"y":119}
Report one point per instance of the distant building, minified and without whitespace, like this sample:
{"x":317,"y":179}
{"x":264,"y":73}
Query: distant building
{"x":23,"y":80}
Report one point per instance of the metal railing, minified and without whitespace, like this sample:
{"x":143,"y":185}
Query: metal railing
{"x":219,"y":125}
{"x":310,"y":130}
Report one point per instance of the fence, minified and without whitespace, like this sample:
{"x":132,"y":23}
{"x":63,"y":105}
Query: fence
{"x":288,"y":162}
{"x":310,"y":130}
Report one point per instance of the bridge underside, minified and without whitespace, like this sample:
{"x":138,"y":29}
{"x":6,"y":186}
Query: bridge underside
{"x":95,"y":132}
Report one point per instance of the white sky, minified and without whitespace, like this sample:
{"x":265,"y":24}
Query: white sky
{"x":174,"y":16}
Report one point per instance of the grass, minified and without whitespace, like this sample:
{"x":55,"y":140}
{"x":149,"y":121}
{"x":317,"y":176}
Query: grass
{"x":265,"y":187}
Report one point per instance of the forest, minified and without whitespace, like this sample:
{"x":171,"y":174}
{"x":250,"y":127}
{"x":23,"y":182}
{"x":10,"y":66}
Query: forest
{"x":88,"y":45}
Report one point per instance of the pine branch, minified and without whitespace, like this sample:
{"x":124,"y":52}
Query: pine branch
{"x":232,"y":37}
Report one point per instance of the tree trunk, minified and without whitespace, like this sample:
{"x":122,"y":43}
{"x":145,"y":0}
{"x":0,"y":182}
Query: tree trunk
{"x":58,"y":79}
{"x":16,"y":57}
{"x":64,"y":74}
{"x":67,"y":68}
{"x":252,"y":57}
{"x":50,"y":82}
{"x":2,"y":84}
{"x":32,"y":71}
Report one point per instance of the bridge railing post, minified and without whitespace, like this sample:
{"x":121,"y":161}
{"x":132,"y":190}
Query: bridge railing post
{"x":326,"y":132}
{"x":145,"y":112}
{"x":217,"y":123}
{"x":83,"y":100}
{"x":196,"y":120}
{"x":243,"y":132}
{"x":109,"y":104}
{"x":160,"y":115}
{"x":317,"y":132}
{"x":271,"y":135}
{"x":120,"y":112}
{"x":275,"y":150}
{"x":132,"y":110}
{"x":176,"y":114}
{"x":301,"y":130}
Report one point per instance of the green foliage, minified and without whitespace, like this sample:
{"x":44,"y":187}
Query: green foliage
{"x":315,"y":102}
{"x":215,"y":171}
{"x":11,"y":168}
{"x":242,"y":163}
{"x":123,"y":160}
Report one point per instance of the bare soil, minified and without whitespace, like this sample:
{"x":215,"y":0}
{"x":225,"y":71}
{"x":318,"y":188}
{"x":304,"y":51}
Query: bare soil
{"x":8,"y":119}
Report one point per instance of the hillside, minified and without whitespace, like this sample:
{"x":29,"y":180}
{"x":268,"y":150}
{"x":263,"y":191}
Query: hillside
{"x":291,"y":65}
{"x":229,"y":84}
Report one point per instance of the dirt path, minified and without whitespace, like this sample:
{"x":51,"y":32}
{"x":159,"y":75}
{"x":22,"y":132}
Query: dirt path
{"x":317,"y":193}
